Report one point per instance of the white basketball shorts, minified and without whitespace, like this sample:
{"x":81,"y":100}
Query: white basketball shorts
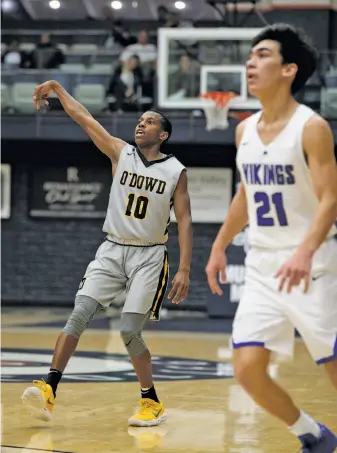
{"x":267,"y":317}
{"x":138,"y":276}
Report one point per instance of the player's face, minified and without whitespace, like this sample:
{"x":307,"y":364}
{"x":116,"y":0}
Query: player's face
{"x":148,"y":130}
{"x":265,"y":70}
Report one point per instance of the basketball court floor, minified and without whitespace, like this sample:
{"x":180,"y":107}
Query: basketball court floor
{"x":207,"y":410}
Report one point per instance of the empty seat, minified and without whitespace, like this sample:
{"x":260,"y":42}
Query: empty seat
{"x":84,"y":48}
{"x":100,"y":68}
{"x":92,"y":96}
{"x":100,"y":79}
{"x":63,"y":47}
{"x":5,"y":97}
{"x":73,"y":68}
{"x":329,"y":103}
{"x":22,"y":94}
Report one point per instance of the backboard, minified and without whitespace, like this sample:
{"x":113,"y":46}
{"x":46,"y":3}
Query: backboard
{"x":192,"y":61}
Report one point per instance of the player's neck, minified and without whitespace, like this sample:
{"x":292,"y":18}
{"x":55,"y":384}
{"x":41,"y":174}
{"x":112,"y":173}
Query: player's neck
{"x":277,"y":107}
{"x":150,"y":152}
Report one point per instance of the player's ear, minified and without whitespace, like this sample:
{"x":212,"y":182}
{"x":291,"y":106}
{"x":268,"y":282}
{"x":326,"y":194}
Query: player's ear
{"x":290,"y":70}
{"x":163,"y":136}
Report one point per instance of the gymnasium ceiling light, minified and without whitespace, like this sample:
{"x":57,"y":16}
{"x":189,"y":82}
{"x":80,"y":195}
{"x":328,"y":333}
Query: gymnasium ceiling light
{"x":116,"y":4}
{"x":180,"y":5}
{"x":54,"y":4}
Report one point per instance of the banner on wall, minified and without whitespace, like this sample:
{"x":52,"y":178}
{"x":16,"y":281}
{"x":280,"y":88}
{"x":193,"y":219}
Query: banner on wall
{"x":69,"y":192}
{"x":5,"y":191}
{"x":210,"y":191}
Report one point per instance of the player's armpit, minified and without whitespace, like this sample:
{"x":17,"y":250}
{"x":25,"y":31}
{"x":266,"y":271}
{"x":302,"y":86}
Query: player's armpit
{"x":318,"y":145}
{"x":182,"y":210}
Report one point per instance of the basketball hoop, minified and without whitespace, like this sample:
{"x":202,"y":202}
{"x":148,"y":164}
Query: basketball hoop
{"x":216,"y":108}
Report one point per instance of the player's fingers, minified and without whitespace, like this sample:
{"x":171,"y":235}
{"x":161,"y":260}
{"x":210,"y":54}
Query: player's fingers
{"x":306,"y":283}
{"x":213,"y":284}
{"x":173,"y":289}
{"x":36,"y":102}
{"x":184,"y":294}
{"x":176,"y":298}
{"x":223,"y":276}
{"x":282,"y":282}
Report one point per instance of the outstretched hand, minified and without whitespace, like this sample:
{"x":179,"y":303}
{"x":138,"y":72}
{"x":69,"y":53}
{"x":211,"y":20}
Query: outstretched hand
{"x":295,"y":270}
{"x":42,"y":92}
{"x":216,"y":265}
{"x":180,"y":286}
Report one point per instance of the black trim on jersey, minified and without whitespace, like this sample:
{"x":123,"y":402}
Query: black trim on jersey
{"x":161,"y":288}
{"x":134,"y":245}
{"x":148,"y":163}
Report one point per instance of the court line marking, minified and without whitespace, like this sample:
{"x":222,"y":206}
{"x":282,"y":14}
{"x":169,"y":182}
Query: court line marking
{"x":36,"y":449}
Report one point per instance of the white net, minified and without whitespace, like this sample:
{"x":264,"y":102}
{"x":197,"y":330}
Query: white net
{"x":216,"y":107}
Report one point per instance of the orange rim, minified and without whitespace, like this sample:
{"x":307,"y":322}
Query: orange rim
{"x":220,"y":98}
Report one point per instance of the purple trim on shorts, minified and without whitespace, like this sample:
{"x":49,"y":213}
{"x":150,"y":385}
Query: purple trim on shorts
{"x":331,"y":357}
{"x":248,"y":343}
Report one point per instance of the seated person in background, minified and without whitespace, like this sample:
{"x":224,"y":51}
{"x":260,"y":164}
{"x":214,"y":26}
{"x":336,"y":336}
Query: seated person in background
{"x":185,"y":81}
{"x":12,"y":57}
{"x":146,"y":52}
{"x":162,"y":13}
{"x":120,"y":36}
{"x":126,"y":82}
{"x":47,"y":55}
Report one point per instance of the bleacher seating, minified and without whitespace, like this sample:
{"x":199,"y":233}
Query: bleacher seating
{"x":89,"y":67}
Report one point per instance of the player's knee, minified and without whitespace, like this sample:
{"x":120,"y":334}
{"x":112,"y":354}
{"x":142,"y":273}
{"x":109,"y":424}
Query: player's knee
{"x":250,"y":365}
{"x":133,"y":341}
{"x":85,"y":309}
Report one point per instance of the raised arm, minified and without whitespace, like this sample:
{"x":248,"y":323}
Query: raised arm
{"x":109,"y":145}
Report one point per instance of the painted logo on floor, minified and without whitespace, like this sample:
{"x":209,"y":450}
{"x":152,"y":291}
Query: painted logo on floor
{"x":24,"y":365}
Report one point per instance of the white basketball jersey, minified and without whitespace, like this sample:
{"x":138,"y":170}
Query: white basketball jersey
{"x":280,"y":193}
{"x":141,"y":198}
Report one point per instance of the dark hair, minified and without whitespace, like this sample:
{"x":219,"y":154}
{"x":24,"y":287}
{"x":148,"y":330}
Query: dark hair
{"x":295,"y":47}
{"x":165,"y":123}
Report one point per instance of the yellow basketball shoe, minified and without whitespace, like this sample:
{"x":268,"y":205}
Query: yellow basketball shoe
{"x":149,"y":413}
{"x":39,"y":400}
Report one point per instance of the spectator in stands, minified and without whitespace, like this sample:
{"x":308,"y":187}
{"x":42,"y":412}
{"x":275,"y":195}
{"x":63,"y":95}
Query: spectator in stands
{"x":146,"y":52}
{"x":120,"y":35}
{"x":47,"y":55}
{"x":163,"y":14}
{"x":12,"y":56}
{"x":126,"y":83}
{"x":174,"y":21}
{"x":184,"y":82}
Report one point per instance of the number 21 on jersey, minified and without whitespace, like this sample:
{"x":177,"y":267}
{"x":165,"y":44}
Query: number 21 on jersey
{"x":264,"y":216}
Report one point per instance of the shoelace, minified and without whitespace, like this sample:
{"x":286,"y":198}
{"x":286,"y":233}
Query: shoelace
{"x":144,"y":405}
{"x":41,"y":384}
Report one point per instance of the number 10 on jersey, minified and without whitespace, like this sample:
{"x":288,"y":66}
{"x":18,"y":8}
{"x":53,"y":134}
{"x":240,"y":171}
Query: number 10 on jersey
{"x":263,"y":214}
{"x":137,"y":206}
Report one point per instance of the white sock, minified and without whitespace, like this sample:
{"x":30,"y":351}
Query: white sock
{"x":305,"y":425}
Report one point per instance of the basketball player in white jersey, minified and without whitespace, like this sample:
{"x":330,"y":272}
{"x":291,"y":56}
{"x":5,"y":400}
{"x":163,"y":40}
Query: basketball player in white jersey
{"x":288,"y":196}
{"x":133,"y":258}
